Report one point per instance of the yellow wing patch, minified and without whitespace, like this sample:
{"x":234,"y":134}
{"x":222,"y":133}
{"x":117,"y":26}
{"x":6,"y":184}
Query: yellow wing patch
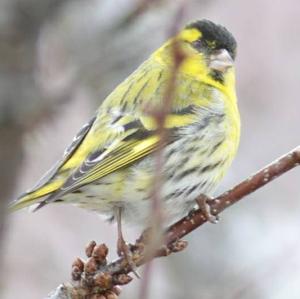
{"x":119,"y":154}
{"x":119,"y":158}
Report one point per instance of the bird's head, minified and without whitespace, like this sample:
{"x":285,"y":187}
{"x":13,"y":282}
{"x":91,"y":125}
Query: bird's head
{"x":210,"y":50}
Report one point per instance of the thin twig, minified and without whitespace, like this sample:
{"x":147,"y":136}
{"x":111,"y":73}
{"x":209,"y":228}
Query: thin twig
{"x":160,"y":117}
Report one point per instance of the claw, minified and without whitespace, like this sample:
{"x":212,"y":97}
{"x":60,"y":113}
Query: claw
{"x":123,"y":250}
{"x":202,"y":202}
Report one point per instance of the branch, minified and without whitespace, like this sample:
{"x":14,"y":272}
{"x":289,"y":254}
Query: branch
{"x":86,"y":275}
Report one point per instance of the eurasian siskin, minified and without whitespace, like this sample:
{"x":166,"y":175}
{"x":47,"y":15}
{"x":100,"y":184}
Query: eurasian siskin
{"x":110,"y":164}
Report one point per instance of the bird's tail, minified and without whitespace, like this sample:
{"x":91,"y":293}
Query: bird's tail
{"x":33,"y":197}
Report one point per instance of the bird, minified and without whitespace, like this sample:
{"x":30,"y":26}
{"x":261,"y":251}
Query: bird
{"x":109,"y":167}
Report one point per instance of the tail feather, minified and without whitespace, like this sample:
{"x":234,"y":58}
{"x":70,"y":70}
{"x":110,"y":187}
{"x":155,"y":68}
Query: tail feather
{"x":30,"y":198}
{"x":23,"y":202}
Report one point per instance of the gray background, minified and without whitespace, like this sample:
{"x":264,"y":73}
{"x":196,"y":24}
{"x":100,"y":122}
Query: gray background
{"x":254,"y":251}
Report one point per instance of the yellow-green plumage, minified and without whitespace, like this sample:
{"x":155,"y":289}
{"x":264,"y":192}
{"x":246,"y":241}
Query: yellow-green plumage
{"x":111,"y":161}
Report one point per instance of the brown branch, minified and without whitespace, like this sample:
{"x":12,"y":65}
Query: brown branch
{"x":117,"y":271}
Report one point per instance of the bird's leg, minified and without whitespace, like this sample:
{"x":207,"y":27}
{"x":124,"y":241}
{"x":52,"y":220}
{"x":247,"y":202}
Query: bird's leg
{"x":202,"y":202}
{"x":122,"y":247}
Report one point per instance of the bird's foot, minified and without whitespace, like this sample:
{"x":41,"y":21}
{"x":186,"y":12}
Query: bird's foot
{"x":204,"y":202}
{"x":124,"y":250}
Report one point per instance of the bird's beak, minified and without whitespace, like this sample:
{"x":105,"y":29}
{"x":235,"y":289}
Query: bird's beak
{"x":220,"y":60}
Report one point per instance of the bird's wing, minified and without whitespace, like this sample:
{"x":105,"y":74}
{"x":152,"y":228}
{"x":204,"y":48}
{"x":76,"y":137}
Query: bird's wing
{"x":134,"y":143}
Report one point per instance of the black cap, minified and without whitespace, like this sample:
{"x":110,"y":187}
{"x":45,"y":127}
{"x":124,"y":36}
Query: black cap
{"x":214,"y":37}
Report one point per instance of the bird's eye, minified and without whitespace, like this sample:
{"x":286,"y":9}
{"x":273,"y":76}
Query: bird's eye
{"x":198,"y":44}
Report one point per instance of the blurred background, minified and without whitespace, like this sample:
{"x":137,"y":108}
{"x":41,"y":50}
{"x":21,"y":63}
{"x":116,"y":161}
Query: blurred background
{"x":58,"y":61}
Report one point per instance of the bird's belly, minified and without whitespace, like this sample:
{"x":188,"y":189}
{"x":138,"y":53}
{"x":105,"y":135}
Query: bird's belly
{"x":187,"y":172}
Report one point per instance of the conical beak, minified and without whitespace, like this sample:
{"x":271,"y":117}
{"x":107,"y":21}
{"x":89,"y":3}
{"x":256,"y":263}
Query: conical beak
{"x":220,"y":60}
